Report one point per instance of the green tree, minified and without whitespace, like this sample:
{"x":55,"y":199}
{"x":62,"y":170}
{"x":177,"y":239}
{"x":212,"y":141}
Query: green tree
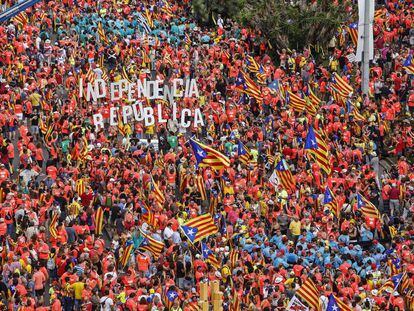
{"x":287,"y":24}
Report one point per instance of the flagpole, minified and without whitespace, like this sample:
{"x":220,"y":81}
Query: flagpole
{"x":365,"y":52}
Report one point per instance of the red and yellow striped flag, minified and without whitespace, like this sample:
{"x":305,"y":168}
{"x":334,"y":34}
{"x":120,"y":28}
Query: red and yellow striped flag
{"x":53,"y":225}
{"x":199,"y":228}
{"x":158,"y":195}
{"x":309,"y":293}
{"x":99,"y":217}
{"x":201,"y":187}
{"x":123,"y":260}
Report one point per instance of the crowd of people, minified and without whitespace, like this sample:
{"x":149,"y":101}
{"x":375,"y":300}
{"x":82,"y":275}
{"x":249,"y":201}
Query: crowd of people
{"x":83,"y":208}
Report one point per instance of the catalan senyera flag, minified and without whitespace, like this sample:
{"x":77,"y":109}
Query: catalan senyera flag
{"x":193,"y":306}
{"x":243,"y":153}
{"x":366,"y":207}
{"x":208,"y":157}
{"x":159,"y":162}
{"x":353,"y":33}
{"x":330,"y":202}
{"x":295,"y":102}
{"x":236,"y":302}
{"x":199,"y":228}
{"x":101,"y":34}
{"x":314,"y":104}
{"x":208,"y":256}
{"x":247,"y":86}
{"x":148,"y":216}
{"x":126,"y":254}
{"x":285,"y":176}
{"x":167,"y":59}
{"x":99,"y":217}
{"x":21,"y":19}
{"x":342,"y":85}
{"x":158,"y":195}
{"x":309,"y":293}
{"x":233,"y":257}
{"x":90,"y":76}
{"x":336,"y":304}
{"x":80,"y":185}
{"x":201,"y":187}
{"x":356,"y":114}
{"x":150,"y":244}
{"x":408,"y":65}
{"x":251,"y":64}
{"x":53,"y":225}
{"x":316,"y":145}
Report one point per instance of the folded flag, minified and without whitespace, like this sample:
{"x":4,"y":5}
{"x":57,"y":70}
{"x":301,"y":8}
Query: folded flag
{"x":367,"y":208}
{"x":199,"y":228}
{"x":151,"y":245}
{"x":208,"y":157}
{"x":208,"y":256}
{"x":316,"y":145}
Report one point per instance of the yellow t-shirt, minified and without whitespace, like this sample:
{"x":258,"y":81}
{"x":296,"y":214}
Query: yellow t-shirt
{"x":78,"y":287}
{"x":294,"y":227}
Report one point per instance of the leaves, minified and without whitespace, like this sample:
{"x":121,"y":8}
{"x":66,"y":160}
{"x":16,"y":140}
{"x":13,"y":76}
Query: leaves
{"x":285,"y":25}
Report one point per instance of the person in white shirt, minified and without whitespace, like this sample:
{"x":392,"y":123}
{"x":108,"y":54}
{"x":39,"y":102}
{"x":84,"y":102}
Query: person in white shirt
{"x":106,"y":302}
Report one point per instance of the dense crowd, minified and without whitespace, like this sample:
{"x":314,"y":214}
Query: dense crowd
{"x":60,"y":177}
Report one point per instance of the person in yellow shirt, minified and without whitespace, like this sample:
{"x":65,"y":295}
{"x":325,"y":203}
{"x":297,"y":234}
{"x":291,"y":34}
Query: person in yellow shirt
{"x":78,"y":288}
{"x":294,"y":228}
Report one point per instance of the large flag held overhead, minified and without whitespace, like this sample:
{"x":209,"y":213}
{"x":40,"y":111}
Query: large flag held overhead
{"x":309,"y":293}
{"x":316,"y":145}
{"x":151,"y":245}
{"x":330,"y":202}
{"x":336,"y":304}
{"x":342,"y":85}
{"x":199,"y":228}
{"x":367,"y":208}
{"x":208,"y":157}
{"x":285,"y":176}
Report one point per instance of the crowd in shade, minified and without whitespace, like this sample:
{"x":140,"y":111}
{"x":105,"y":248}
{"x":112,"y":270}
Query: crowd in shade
{"x":296,"y":192}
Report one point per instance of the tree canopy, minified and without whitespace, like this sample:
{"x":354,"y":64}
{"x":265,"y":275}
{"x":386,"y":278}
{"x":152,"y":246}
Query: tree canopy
{"x":287,"y":24}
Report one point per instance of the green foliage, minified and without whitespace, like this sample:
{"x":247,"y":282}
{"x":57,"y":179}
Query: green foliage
{"x":285,"y":25}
